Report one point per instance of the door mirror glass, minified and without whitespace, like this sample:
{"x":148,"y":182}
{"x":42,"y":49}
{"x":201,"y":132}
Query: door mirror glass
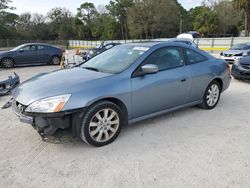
{"x":21,"y":50}
{"x":149,"y":69}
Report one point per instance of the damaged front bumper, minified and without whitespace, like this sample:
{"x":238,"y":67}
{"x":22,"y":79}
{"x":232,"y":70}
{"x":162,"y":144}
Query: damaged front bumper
{"x":7,"y":85}
{"x":47,"y":124}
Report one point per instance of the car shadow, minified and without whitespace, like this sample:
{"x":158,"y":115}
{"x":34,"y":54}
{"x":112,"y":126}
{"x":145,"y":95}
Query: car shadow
{"x":65,"y":137}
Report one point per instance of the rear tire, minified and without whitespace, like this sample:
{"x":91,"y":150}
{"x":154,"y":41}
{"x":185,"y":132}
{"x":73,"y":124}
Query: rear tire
{"x":211,"y":96}
{"x":101,"y":124}
{"x":55,"y":60}
{"x":7,"y":63}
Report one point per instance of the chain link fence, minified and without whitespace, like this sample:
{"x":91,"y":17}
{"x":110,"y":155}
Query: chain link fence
{"x":208,"y":44}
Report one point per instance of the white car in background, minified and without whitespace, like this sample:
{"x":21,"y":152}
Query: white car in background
{"x":236,"y":52}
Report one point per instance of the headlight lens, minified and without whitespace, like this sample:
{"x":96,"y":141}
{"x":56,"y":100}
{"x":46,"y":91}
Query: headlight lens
{"x":48,"y":105}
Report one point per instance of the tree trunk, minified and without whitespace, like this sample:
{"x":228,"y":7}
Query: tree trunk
{"x":246,"y":22}
{"x":246,"y":18}
{"x":122,"y":31}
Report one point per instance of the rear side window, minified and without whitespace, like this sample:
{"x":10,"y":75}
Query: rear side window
{"x":109,"y":46}
{"x":194,"y":57}
{"x":42,"y":47}
{"x":185,"y":42}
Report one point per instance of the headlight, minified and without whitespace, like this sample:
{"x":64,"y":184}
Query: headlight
{"x":48,"y":105}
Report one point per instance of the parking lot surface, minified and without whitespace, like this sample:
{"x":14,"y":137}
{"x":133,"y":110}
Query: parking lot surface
{"x":187,"y":148}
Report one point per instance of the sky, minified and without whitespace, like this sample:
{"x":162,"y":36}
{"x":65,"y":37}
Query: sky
{"x":43,"y":6}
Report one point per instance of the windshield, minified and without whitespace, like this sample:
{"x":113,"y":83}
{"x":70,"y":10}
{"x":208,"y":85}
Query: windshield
{"x":116,"y":59}
{"x":17,"y":48}
{"x":241,"y":47}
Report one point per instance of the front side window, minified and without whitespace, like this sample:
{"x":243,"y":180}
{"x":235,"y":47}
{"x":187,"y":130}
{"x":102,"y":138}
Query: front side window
{"x":29,"y":48}
{"x":194,"y":57}
{"x":166,"y":58}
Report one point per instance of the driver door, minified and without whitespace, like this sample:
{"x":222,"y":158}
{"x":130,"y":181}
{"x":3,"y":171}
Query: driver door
{"x":168,"y":88}
{"x":27,"y":55}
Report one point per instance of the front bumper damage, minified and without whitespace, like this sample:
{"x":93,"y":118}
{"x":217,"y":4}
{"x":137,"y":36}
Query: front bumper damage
{"x":47,"y":124}
{"x":241,"y":73}
{"x":7,"y":85}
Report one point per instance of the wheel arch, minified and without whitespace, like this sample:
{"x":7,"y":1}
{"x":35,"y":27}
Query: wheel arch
{"x":116,"y":101}
{"x":219,"y":80}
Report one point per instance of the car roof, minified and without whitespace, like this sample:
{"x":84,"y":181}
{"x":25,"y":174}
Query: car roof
{"x":37,"y":44}
{"x":150,"y":44}
{"x":145,"y":43}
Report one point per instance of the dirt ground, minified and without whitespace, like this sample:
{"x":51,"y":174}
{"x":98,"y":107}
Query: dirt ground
{"x":187,"y":148}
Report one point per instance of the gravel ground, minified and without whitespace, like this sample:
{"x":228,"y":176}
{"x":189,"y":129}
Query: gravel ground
{"x":187,"y":148}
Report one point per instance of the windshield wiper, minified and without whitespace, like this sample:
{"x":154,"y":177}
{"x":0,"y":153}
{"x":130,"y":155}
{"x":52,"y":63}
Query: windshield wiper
{"x":92,"y":68}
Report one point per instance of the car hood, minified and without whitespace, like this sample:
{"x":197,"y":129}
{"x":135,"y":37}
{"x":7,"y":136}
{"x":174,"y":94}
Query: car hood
{"x":233,"y":52}
{"x":4,"y":52}
{"x":59,"y":82}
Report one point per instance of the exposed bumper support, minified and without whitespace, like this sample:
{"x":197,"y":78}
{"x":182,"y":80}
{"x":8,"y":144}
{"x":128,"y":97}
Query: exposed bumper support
{"x":48,"y":123}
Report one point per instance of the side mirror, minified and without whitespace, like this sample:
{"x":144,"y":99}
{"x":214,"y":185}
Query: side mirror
{"x":149,"y":69}
{"x":21,"y":50}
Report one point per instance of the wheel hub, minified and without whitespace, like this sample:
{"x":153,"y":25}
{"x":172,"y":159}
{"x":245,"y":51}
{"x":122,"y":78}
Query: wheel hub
{"x":104,"y":125}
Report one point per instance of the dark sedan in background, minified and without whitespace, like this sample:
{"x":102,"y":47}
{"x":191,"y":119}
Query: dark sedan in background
{"x":31,"y":54}
{"x":99,"y":49}
{"x":241,"y":68}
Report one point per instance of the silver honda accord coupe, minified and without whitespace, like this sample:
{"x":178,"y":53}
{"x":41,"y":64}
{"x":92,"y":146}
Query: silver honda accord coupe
{"x":123,"y":85}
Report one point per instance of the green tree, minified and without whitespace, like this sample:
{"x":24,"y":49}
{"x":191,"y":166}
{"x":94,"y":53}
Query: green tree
{"x":86,"y":13}
{"x":206,"y":21}
{"x":229,"y":18}
{"x":155,"y":18}
{"x":61,"y":22}
{"x":243,"y":4}
{"x":119,"y":9}
{"x":7,"y":20}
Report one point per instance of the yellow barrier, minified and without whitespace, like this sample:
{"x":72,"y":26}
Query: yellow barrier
{"x":214,"y":48}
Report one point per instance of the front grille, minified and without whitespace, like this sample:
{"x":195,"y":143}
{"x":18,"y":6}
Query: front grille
{"x":228,"y":55}
{"x":245,"y":66}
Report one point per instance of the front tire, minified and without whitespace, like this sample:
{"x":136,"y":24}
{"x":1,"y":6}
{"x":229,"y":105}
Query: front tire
{"x":211,"y":96}
{"x":101,"y":124}
{"x":7,"y":63}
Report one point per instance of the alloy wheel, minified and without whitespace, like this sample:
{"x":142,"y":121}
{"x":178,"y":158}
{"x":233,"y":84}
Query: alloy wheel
{"x":104,"y":125}
{"x":56,"y":61}
{"x":8,"y":63}
{"x":213,"y":95}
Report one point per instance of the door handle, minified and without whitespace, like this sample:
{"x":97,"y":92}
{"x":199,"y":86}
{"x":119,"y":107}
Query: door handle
{"x":183,"y":80}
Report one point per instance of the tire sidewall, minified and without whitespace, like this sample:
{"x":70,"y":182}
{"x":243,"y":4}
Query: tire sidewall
{"x":52,"y":62}
{"x":84,"y":131}
{"x":3,"y":65}
{"x":206,"y":93}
